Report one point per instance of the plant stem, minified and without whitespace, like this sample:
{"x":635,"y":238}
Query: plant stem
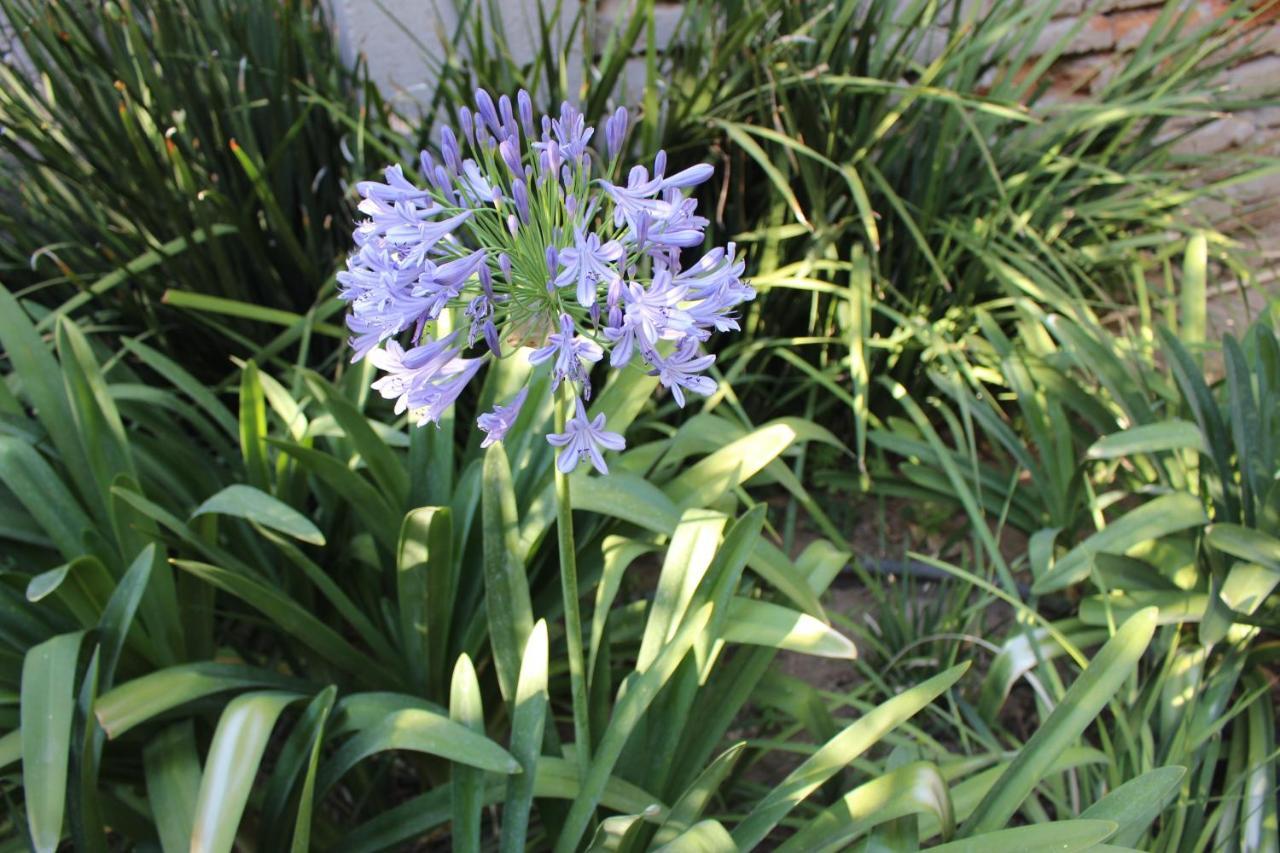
{"x":569,"y":587}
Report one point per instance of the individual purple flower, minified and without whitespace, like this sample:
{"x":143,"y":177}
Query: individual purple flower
{"x":571,"y":131}
{"x":525,"y":106}
{"x":653,"y":198}
{"x":473,"y":187}
{"x":397,"y":188}
{"x":480,"y":313}
{"x":409,"y":369}
{"x":587,"y":263}
{"x":365,"y":336}
{"x":428,"y":400}
{"x":689,"y":177}
{"x":635,"y":198}
{"x":584,"y":438}
{"x":655,"y":311}
{"x":449,"y":150}
{"x":550,"y":158}
{"x":571,"y":351}
{"x":509,"y":129}
{"x":682,"y":369}
{"x":520,"y":195}
{"x":678,"y":227}
{"x":467,"y":122}
{"x":712,"y":272}
{"x":497,"y":423}
{"x":486,"y":110}
{"x":511,"y":156}
{"x":615,"y":131}
{"x":440,"y":285}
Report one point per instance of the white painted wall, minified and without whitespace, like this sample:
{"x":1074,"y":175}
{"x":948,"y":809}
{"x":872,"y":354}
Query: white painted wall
{"x":402,"y":40}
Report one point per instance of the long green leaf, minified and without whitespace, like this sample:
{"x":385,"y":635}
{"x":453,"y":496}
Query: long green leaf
{"x":639,"y":692}
{"x":1134,"y":805}
{"x":417,"y":730}
{"x":293,"y":619}
{"x":763,"y":623}
{"x":527,"y":723}
{"x":172,"y":770}
{"x":695,"y":799}
{"x":1154,"y":519}
{"x":44,"y":495}
{"x":465,"y":707}
{"x":1064,"y":836}
{"x":1148,"y":438}
{"x":42,"y":385}
{"x":231,"y":766}
{"x":424,"y":595}
{"x":117,"y":616}
{"x":916,"y":788}
{"x":242,"y":501}
{"x":506,"y":587}
{"x":47,"y":705}
{"x":141,"y":699}
{"x":1085,"y":699}
{"x":1246,"y":543}
{"x":836,"y":754}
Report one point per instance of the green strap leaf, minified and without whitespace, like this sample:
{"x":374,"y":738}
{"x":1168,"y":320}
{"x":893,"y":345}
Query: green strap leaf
{"x":419,"y":731}
{"x":255,"y":505}
{"x":1085,"y":699}
{"x":253,"y":428}
{"x":915,"y":788}
{"x":836,"y":754}
{"x":171,"y":767}
{"x":424,"y":589}
{"x":707,"y":836}
{"x":695,"y":799}
{"x":689,"y":555}
{"x":638,"y":692}
{"x":732,"y":465}
{"x":43,"y":494}
{"x":1154,"y":519}
{"x":1246,"y":543}
{"x":466,"y":708}
{"x":42,"y":385}
{"x":231,"y":766}
{"x":763,"y":623}
{"x":1134,"y":805}
{"x":1148,"y":438}
{"x":527,"y":723}
{"x":360,"y":495}
{"x":137,"y":701}
{"x":506,"y":586}
{"x":45,"y":713}
{"x":306,"y":798}
{"x":1063,"y":836}
{"x":299,"y":756}
{"x":387,"y":470}
{"x":118,"y":615}
{"x":291,"y":618}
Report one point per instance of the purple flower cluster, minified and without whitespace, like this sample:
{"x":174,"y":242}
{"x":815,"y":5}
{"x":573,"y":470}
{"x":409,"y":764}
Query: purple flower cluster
{"x":520,"y":237}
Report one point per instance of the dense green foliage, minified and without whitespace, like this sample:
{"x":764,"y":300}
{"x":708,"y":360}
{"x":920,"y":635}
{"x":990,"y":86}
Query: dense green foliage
{"x":244,"y":605}
{"x":186,"y":144}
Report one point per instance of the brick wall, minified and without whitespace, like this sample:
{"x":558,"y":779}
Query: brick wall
{"x":1107,"y":31}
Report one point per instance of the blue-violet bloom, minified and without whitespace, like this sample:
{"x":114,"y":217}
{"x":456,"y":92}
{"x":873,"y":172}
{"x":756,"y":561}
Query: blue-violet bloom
{"x":500,"y":420}
{"x":584,"y":437}
{"x":543,"y":248}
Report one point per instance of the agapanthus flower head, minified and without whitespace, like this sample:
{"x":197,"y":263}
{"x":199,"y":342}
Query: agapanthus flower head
{"x":539,"y":241}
